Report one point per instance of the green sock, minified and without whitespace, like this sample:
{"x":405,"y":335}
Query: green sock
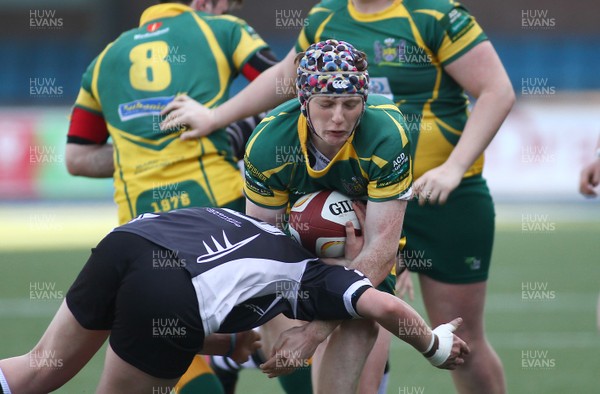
{"x":205,"y":383}
{"x":298,"y":382}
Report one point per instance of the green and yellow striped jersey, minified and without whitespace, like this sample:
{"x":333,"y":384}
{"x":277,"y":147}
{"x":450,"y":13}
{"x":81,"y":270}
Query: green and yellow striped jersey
{"x":374,"y":162}
{"x":407,"y":46}
{"x":175,"y":50}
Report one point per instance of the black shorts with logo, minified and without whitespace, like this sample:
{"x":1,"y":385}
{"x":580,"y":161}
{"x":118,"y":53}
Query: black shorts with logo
{"x":140,"y":292}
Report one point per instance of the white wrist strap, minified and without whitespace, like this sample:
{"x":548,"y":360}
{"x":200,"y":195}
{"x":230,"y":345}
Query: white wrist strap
{"x":445,"y":336}
{"x":430,"y":344}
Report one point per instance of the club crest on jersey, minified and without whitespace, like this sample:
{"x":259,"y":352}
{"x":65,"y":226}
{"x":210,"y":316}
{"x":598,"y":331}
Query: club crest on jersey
{"x":355,"y":187}
{"x":389,"y":51}
{"x":152,"y":27}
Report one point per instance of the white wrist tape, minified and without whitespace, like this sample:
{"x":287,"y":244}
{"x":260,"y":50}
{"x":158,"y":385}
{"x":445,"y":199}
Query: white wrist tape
{"x":446,"y":337}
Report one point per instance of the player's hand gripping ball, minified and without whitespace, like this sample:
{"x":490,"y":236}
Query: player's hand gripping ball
{"x":317,"y":221}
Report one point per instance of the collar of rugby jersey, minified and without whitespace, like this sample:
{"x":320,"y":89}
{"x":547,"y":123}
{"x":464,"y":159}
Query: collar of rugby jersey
{"x":393,"y":10}
{"x":163,"y":11}
{"x":345,"y":152}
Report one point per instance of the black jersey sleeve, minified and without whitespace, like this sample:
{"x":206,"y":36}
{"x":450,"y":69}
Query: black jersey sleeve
{"x":330,"y":292}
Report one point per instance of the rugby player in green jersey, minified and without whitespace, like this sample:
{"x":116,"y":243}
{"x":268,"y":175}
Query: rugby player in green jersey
{"x":333,"y":137}
{"x":424,"y":54}
{"x":179,"y":47}
{"x":175,"y":50}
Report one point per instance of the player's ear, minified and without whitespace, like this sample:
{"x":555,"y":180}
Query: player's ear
{"x":199,"y":5}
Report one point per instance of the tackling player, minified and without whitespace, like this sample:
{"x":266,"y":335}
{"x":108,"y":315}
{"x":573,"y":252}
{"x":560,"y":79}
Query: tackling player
{"x":232,"y":273}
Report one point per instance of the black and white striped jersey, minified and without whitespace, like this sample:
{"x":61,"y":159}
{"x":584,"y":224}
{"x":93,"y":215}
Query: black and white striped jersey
{"x":245,"y":271}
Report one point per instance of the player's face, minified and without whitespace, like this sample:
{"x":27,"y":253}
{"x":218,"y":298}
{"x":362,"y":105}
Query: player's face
{"x":216,"y":7}
{"x":333,"y":119}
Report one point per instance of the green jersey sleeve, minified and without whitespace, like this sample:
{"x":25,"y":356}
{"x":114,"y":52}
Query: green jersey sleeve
{"x":244,"y":42}
{"x":447,"y":26}
{"x":266,"y":168}
{"x":389,"y":166}
{"x":86,"y":99}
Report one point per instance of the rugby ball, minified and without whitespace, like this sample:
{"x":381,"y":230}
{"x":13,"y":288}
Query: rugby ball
{"x":317,"y":221}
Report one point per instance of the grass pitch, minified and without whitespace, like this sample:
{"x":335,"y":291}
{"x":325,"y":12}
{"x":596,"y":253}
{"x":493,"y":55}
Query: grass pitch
{"x":540,"y":313}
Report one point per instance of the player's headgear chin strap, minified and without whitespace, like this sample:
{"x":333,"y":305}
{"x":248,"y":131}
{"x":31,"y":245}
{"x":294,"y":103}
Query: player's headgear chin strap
{"x":330,"y":67}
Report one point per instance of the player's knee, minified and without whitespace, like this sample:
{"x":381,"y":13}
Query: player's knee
{"x":472,"y":334}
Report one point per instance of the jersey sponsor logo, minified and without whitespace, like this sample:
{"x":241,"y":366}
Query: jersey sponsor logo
{"x":340,"y":84}
{"x":400,"y":161}
{"x":224,"y":217}
{"x":400,"y":171}
{"x":150,"y":35}
{"x":258,"y":188}
{"x":457,"y":22}
{"x":388,"y":180}
{"x":152,"y":27}
{"x":144,"y":107}
{"x":220,"y":250}
{"x":253,"y":171}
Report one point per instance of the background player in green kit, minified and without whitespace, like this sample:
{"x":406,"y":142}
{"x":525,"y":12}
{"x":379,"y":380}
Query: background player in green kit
{"x":334,"y":138}
{"x":180,"y":47}
{"x":175,"y":50}
{"x":434,"y":53}
{"x":424,"y":55}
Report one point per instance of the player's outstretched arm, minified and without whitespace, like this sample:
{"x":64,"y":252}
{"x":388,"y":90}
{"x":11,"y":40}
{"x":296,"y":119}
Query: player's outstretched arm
{"x":296,"y":346}
{"x":440,"y":346}
{"x":267,"y":91}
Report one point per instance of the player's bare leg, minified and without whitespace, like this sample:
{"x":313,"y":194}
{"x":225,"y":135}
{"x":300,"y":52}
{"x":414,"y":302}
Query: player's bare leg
{"x":121,"y":377}
{"x":370,"y":379}
{"x":338,"y":368}
{"x":62,"y":351}
{"x":482,"y":371}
